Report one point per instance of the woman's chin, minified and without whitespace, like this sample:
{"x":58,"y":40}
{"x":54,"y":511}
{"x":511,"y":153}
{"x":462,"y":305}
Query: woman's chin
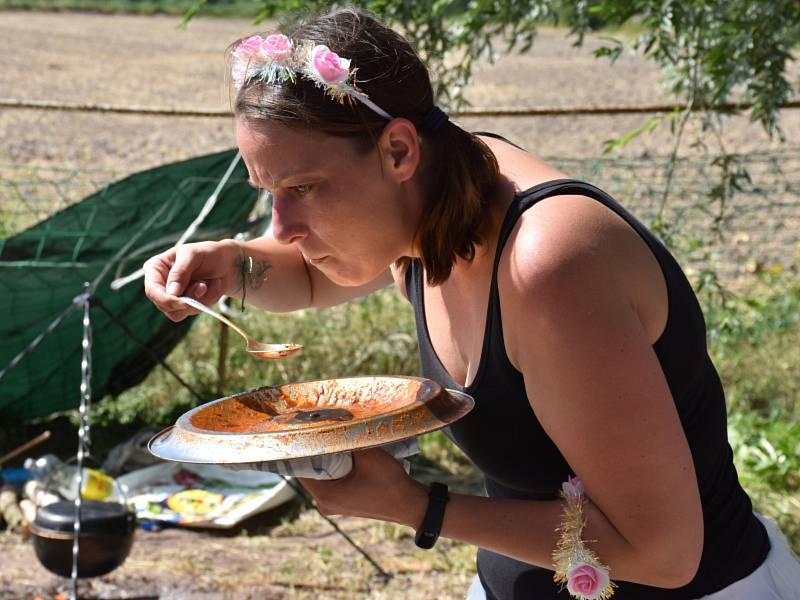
{"x":343,"y":276}
{"x":345,"y":281}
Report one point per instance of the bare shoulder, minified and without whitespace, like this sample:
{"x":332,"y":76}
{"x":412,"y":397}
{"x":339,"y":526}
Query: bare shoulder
{"x":561,"y":237}
{"x":572,"y":253}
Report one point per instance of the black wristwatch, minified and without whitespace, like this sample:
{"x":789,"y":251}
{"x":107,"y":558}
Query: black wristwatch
{"x":431,"y":526}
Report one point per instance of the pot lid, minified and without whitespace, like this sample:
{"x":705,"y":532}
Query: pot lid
{"x":96,"y":517}
{"x":311,"y":418}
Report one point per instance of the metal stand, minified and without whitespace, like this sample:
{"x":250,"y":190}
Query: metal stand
{"x":83,"y":431}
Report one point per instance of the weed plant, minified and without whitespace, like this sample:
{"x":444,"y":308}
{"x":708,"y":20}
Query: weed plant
{"x":754,"y":338}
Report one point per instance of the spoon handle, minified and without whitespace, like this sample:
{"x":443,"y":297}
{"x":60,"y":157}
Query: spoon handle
{"x":203,"y":308}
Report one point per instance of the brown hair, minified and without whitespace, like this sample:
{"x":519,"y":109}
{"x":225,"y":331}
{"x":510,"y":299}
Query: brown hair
{"x":459,"y":172}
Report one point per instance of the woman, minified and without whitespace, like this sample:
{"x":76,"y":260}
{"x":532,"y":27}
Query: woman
{"x":568,"y":322}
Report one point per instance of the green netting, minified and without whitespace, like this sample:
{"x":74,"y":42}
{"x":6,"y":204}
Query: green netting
{"x":44,"y":267}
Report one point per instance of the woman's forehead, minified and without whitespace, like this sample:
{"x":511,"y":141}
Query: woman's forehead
{"x":275,"y":138}
{"x":277,"y":152}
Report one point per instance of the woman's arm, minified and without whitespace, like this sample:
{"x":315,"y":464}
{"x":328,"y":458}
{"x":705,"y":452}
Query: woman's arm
{"x":598,"y":390}
{"x":573,"y":286}
{"x":276,"y":277}
{"x":285,"y":289}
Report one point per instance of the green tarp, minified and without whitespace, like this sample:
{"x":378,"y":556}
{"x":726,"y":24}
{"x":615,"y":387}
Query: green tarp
{"x":43,"y":268}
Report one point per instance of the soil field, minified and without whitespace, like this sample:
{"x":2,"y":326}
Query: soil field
{"x":150,"y":62}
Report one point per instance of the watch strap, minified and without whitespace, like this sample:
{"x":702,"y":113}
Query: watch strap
{"x":431,"y":526}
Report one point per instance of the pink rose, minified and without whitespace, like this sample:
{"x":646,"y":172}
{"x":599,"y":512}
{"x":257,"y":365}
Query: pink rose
{"x":277,"y":47}
{"x":329,"y":66}
{"x":248,"y":48}
{"x":586,"y":581}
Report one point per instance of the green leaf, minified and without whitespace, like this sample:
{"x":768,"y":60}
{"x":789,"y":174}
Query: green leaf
{"x":190,"y":13}
{"x":648,"y":126}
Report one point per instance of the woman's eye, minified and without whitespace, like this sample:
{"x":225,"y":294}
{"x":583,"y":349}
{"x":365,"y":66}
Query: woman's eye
{"x":301,"y":189}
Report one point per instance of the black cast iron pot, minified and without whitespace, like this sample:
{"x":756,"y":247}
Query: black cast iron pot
{"x":106,"y":537}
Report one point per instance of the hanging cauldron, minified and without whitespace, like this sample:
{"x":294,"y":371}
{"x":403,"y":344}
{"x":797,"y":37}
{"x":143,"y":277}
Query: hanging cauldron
{"x":107,"y":530}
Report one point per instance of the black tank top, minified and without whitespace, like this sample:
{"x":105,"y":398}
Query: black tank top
{"x":507,"y":443}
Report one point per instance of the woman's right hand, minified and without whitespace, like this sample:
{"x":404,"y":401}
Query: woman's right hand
{"x":204,"y":271}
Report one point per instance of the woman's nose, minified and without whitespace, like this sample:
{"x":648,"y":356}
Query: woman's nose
{"x":288,"y":223}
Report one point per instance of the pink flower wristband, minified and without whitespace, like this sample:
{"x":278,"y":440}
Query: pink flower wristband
{"x":577,"y":566}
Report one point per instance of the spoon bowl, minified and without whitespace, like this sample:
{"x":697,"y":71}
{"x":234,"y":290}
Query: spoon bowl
{"x":261,"y":350}
{"x":254,"y":348}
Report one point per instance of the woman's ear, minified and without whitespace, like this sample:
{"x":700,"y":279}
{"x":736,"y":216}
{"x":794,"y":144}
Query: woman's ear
{"x":400,"y":150}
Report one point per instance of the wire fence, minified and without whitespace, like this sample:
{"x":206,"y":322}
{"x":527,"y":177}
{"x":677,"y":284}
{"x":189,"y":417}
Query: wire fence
{"x":29,"y":194}
{"x":756,"y":227}
{"x":475,"y":111}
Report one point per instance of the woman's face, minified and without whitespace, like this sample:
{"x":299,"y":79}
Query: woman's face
{"x":351,"y":214}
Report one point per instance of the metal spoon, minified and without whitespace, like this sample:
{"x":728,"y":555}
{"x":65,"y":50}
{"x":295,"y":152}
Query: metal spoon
{"x":255,"y":348}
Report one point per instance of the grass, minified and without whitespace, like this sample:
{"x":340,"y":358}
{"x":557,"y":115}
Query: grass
{"x":754,"y":338}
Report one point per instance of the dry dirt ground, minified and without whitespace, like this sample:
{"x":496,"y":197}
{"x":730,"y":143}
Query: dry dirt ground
{"x":291,"y":552}
{"x":148,"y":61}
{"x":303,"y":558}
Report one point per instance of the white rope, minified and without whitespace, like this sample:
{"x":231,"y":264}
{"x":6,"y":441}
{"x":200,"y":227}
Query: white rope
{"x":83,"y":434}
{"x":207,"y":207}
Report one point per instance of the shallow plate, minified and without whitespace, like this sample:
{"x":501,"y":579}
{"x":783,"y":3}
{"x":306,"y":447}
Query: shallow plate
{"x":310,"y":419}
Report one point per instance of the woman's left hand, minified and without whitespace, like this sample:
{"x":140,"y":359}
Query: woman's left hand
{"x":377,"y":488}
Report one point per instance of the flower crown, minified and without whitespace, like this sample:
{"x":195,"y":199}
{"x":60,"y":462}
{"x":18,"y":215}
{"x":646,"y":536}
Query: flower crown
{"x":278,"y":58}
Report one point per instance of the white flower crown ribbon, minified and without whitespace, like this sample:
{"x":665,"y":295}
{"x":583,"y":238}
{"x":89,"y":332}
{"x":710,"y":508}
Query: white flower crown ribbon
{"x":278,"y":58}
